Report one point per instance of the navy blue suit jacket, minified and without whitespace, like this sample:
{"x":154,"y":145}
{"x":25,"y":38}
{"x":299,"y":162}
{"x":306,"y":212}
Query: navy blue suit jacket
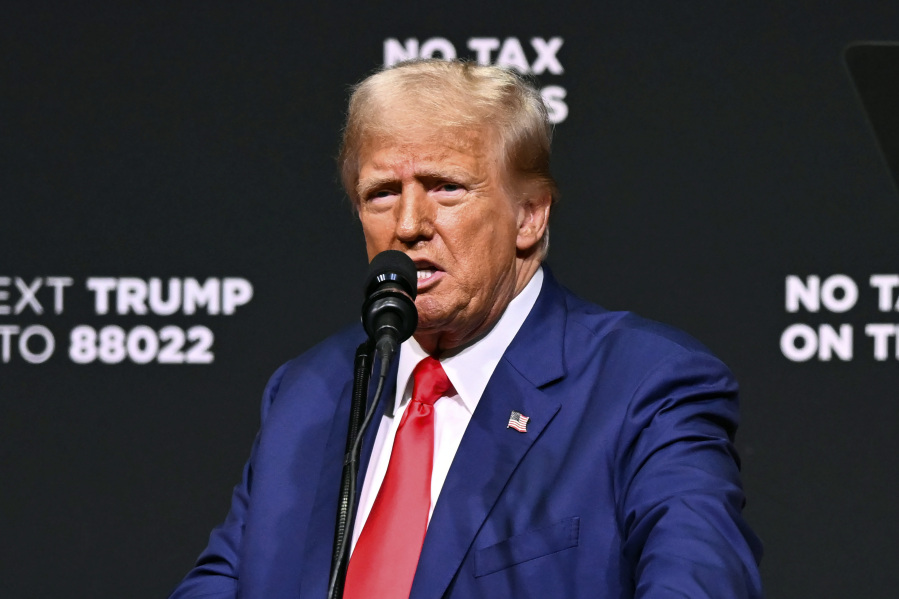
{"x":625,"y":484}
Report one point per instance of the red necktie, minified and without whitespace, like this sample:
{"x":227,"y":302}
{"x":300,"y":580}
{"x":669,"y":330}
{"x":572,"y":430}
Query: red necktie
{"x":386,"y":554}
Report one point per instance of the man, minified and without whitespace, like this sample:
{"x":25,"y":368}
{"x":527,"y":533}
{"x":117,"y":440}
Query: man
{"x":569,"y":451}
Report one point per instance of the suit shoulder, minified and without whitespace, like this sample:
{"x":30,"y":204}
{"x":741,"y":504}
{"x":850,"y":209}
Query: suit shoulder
{"x":325,"y":363}
{"x":627,"y":334}
{"x":652,"y":364}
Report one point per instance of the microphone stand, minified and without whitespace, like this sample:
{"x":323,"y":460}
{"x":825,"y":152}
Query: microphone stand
{"x":345,"y":507}
{"x":388,"y":316}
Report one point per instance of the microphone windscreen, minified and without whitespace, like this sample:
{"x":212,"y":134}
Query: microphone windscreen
{"x":394,"y":266}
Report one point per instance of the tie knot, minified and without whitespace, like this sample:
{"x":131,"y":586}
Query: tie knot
{"x":430,"y":381}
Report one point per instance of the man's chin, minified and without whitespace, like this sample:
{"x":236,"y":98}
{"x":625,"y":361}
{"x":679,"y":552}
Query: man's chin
{"x":433,"y":317}
{"x":428,"y":328}
{"x":432,"y":334}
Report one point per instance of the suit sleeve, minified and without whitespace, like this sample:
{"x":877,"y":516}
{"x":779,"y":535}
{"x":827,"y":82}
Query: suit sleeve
{"x":681,"y":498}
{"x":216,"y":573}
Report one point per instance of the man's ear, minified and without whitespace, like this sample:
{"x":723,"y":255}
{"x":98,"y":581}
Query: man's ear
{"x":533,"y":218}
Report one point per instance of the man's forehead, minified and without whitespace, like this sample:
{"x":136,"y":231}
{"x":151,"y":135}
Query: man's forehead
{"x":434,"y":135}
{"x":420,"y":155}
{"x":433,"y":150}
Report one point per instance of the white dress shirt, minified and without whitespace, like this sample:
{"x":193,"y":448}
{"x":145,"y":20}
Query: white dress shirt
{"x":469,"y":370}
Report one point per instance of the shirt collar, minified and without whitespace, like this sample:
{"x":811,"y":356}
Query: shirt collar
{"x":470,"y":369}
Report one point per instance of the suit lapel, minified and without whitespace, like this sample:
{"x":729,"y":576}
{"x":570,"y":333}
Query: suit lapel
{"x":490,"y":451}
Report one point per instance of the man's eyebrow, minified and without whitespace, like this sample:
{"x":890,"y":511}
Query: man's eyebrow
{"x":369,"y":183}
{"x":442,"y":173}
{"x":375,"y":181}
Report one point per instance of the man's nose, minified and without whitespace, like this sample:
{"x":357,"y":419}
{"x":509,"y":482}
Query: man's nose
{"x":414,"y":219}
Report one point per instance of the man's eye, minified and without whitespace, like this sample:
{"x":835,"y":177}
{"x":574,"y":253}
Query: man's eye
{"x":383,"y":193}
{"x":449,"y":187}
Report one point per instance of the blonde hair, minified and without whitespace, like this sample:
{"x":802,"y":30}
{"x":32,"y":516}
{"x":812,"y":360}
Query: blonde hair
{"x":454,"y":95}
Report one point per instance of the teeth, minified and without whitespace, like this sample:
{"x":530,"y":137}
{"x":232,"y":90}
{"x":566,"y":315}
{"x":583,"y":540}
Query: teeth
{"x":425,"y":273}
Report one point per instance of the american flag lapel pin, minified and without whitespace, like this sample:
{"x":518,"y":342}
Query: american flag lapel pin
{"x":518,"y":421}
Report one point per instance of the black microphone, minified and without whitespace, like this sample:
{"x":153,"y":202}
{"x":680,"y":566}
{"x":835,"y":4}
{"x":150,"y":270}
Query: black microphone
{"x":388,"y":313}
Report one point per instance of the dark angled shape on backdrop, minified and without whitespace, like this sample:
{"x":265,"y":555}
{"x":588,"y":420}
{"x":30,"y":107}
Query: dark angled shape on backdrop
{"x":874,"y":67}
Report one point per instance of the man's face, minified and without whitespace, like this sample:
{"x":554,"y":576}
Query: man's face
{"x":443,"y":201}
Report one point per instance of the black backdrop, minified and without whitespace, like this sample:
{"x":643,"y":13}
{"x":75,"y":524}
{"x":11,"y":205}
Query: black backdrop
{"x":710,"y":151}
